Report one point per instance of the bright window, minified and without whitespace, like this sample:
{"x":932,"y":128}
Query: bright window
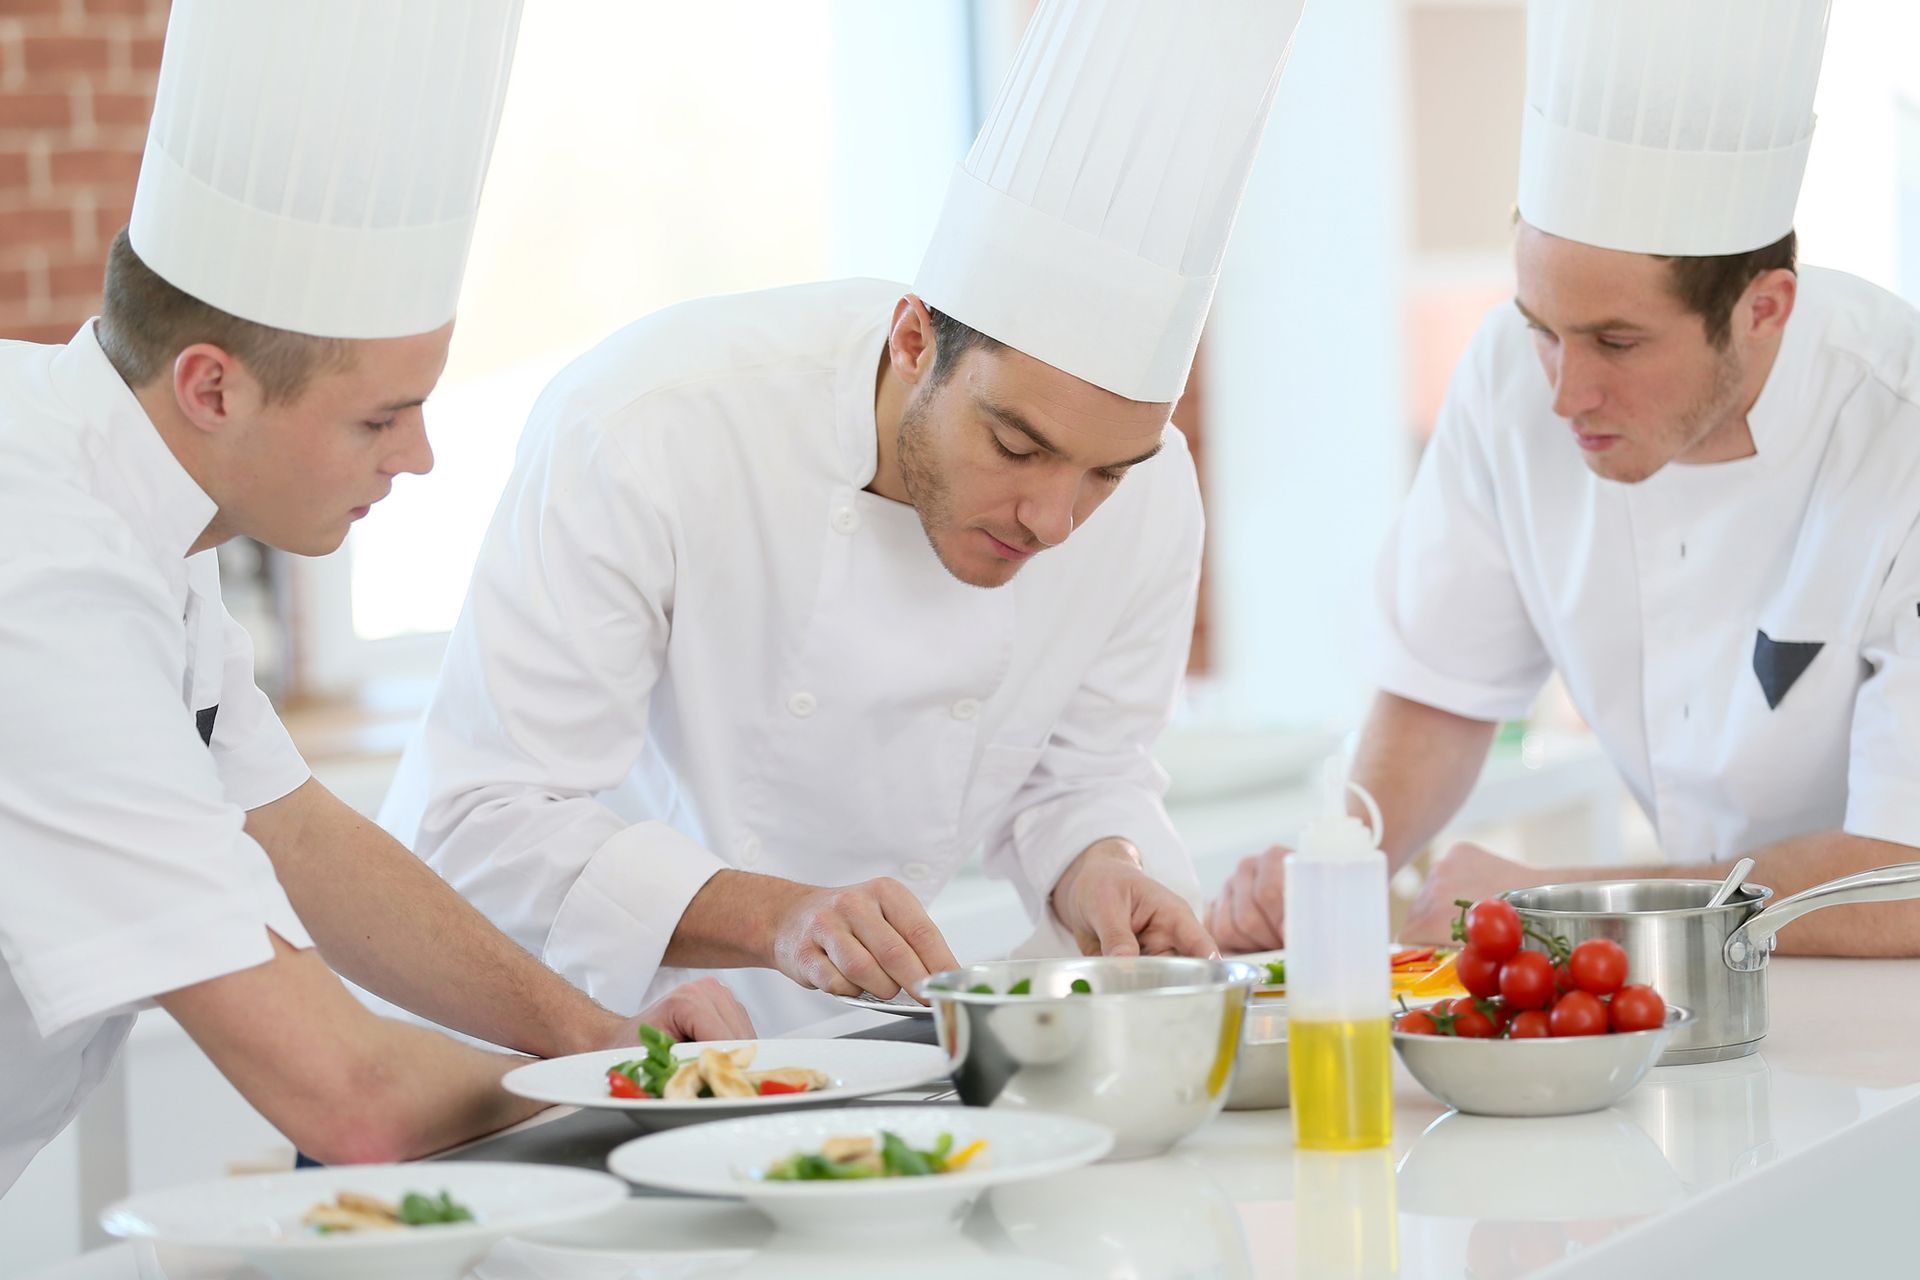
{"x":648,"y":153}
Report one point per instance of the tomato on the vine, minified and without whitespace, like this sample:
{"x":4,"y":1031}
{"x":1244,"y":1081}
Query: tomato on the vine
{"x":1417,"y":1022}
{"x":1531,"y":1025}
{"x":1493,"y":928}
{"x":1478,"y":972}
{"x":1637,"y":1008}
{"x":1578,"y":1013}
{"x":1598,"y":965}
{"x":1526,"y":981}
{"x":1469,"y":1022}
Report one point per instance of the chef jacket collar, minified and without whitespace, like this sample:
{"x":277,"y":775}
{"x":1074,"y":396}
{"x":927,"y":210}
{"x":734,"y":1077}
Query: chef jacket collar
{"x":166,"y":507}
{"x":1777,"y":421}
{"x":855,"y":388}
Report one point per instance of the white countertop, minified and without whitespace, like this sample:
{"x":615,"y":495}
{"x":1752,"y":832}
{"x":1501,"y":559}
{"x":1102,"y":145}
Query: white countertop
{"x":1798,"y":1160}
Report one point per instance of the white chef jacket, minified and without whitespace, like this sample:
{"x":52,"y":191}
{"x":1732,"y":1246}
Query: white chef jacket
{"x":124,"y":872}
{"x":693,"y":641}
{"x":1743,"y":637}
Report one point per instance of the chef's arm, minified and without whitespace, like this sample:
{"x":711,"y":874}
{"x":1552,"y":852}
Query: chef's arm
{"x":383,"y":919}
{"x":1787,"y":867}
{"x":345,"y":1086}
{"x":1419,"y":763}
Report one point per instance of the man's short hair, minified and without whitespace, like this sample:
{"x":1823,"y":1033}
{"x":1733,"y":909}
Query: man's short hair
{"x":951,"y":342}
{"x":145,"y":322}
{"x":1710,"y":287}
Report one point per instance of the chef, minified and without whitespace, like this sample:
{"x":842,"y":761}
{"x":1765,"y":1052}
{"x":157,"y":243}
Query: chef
{"x":1678,"y":469}
{"x":274,"y":317}
{"x":797,"y":599}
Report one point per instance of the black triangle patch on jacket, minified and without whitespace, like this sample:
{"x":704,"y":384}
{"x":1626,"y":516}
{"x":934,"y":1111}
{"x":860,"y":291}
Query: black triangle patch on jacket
{"x":203,"y":721}
{"x":1779,"y":663}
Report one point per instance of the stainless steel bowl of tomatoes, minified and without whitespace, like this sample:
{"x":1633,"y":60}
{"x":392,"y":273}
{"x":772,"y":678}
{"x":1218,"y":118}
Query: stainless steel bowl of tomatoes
{"x":1542,"y":1032}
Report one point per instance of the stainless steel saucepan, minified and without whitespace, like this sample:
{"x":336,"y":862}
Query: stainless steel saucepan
{"x":1712,"y":960}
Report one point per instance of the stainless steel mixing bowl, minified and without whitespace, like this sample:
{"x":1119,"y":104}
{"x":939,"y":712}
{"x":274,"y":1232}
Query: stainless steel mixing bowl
{"x":1551,"y":1076}
{"x":1149,"y":1052}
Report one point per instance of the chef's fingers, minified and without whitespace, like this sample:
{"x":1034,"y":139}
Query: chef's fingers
{"x":1176,"y":930}
{"x":910,"y":922}
{"x":1250,"y":930}
{"x":1268,"y":891}
{"x":701,"y":1010}
{"x":833,"y":960}
{"x":1110,"y":919}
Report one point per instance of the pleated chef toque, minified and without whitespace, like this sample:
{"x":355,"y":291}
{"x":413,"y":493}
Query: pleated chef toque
{"x":1086,"y":226}
{"x":315,"y":165}
{"x":1676,"y":127}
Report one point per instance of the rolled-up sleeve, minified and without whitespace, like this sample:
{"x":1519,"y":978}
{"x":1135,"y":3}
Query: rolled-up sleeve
{"x":1096,"y":776}
{"x":126,"y":870}
{"x":543,"y":706}
{"x":1452,"y":630}
{"x":1883,"y":768}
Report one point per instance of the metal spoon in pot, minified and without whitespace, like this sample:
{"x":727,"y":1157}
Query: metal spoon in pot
{"x":1734,"y":879}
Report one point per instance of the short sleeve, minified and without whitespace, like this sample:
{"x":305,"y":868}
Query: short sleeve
{"x":1452,"y":629}
{"x":127,"y":872}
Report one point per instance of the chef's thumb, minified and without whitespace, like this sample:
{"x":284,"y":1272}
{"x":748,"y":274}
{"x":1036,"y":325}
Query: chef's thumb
{"x":1116,"y":938}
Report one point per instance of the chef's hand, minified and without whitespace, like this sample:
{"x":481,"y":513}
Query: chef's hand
{"x":1463,"y":871}
{"x":700,"y":1010}
{"x":1250,"y":913}
{"x":873,"y":937}
{"x":1114,"y":908}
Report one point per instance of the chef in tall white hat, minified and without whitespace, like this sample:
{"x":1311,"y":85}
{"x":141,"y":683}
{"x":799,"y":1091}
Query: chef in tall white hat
{"x":272,"y":322}
{"x":728,"y":692}
{"x":1681,"y":470}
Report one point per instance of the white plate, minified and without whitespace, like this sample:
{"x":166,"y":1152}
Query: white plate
{"x":255,"y":1221}
{"x":725,"y":1159}
{"x":858,"y":1069}
{"x":902,"y":1005}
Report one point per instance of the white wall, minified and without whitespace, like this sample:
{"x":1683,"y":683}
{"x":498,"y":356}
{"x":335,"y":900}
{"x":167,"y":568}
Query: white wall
{"x":1306,"y":446}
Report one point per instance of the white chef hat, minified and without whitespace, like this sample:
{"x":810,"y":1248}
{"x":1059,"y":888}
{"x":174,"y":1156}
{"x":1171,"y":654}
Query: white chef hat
{"x":1086,"y":226}
{"x":315,"y":165}
{"x":1676,"y":127}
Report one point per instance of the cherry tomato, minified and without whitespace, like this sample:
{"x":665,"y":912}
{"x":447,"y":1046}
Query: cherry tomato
{"x":1416,"y":1023}
{"x":621,"y":1085}
{"x":1531,"y":1025}
{"x":1470,"y":1023}
{"x":1598,"y":965}
{"x":770,"y":1087}
{"x":1478,"y":972}
{"x":1526,"y":981}
{"x":1493,"y":927}
{"x":1637,"y":1008}
{"x":1578,"y":1013}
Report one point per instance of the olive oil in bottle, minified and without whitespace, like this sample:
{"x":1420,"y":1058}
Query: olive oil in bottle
{"x":1339,"y":1047}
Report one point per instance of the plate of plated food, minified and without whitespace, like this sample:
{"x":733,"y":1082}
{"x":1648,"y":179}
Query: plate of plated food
{"x":847,"y":1173}
{"x":659,"y":1084}
{"x":423,"y":1222}
{"x":1420,"y":974}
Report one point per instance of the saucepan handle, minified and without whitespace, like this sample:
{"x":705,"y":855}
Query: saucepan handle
{"x":1748,"y":947}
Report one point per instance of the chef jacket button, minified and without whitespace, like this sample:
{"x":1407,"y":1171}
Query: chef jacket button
{"x":965,"y":709}
{"x":917,"y":871}
{"x":749,"y":851}
{"x":802,"y":704}
{"x":846,"y":519}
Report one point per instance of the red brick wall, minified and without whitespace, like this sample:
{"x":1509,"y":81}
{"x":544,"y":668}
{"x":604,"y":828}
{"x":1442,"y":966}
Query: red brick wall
{"x":76,"y":87}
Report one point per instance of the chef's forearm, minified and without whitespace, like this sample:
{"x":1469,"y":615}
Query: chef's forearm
{"x":384,"y":920}
{"x":1419,"y":763}
{"x":1787,"y":867}
{"x":732,"y":921}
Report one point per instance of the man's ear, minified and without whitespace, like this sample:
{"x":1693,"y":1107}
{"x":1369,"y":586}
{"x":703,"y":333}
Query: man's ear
{"x":211,"y":387}
{"x":910,"y":343}
{"x":1768,"y":301}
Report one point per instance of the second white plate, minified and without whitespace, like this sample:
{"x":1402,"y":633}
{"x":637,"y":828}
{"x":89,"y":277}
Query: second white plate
{"x":858,"y":1068}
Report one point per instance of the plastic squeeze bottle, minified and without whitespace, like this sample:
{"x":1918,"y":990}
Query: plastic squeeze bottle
{"x":1339,"y":1047}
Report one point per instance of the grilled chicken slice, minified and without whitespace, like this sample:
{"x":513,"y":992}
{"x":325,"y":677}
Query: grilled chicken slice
{"x":723,"y":1077}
